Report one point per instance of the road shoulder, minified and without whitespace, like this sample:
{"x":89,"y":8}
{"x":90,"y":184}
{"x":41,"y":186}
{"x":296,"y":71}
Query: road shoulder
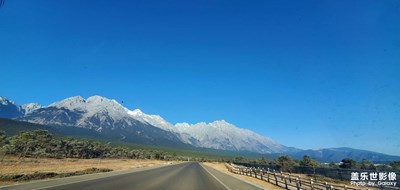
{"x":262,"y":184}
{"x":231,"y":182}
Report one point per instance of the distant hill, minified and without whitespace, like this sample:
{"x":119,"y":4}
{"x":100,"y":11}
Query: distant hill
{"x":337,"y":154}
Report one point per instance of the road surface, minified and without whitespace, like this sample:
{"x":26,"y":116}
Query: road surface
{"x":184,"y":176}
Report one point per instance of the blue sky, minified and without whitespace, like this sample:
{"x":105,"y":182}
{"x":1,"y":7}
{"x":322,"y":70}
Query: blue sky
{"x":308,"y":74}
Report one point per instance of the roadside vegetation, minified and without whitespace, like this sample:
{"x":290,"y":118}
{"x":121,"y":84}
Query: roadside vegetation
{"x":38,"y":154}
{"x":307,"y":168}
{"x":34,"y":149}
{"x":42,"y":144}
{"x":44,"y":175}
{"x":286,"y":163}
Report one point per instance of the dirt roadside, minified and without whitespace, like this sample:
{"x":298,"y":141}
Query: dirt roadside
{"x":221,"y":167}
{"x":14,"y":166}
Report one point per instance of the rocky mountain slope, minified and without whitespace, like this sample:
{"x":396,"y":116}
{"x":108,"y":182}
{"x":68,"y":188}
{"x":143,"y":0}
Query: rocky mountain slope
{"x":109,"y":117}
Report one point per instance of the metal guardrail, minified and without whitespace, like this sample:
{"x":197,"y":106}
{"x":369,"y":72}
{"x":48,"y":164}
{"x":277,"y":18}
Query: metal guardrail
{"x":286,"y":181}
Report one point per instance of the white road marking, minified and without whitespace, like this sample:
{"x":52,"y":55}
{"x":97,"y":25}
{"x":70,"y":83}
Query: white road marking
{"x":243,"y":180}
{"x":215,"y":177}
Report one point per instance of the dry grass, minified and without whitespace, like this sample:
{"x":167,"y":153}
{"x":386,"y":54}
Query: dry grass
{"x":221,"y":167}
{"x":12,"y":165}
{"x":15,"y":166}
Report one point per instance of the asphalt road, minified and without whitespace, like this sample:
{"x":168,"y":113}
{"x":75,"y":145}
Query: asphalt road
{"x":185,"y":176}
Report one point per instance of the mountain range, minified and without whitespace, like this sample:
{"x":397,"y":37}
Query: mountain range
{"x":107,"y":116}
{"x":112,"y":120}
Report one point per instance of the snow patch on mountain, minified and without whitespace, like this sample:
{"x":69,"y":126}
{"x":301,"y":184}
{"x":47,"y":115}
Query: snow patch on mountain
{"x":4,"y":101}
{"x":30,"y":107}
{"x":159,"y":122}
{"x":8,"y":109}
{"x":71,"y":103}
{"x":92,"y":106}
{"x":96,"y":112}
{"x":154,"y":120}
{"x":223,"y":135}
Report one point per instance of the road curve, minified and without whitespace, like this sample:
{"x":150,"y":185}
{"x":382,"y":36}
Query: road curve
{"x":185,"y":176}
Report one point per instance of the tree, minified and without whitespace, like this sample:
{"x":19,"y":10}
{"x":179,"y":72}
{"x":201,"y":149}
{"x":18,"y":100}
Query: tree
{"x":285,"y":162}
{"x":43,"y":141}
{"x":3,"y":138}
{"x":158,"y":156}
{"x":40,"y":143}
{"x":395,"y":165}
{"x":3,"y":145}
{"x":240,"y":159}
{"x":366,"y":165}
{"x":23,"y":144}
{"x":348,"y":163}
{"x":333,"y":165}
{"x":263,"y":160}
{"x":308,"y":162}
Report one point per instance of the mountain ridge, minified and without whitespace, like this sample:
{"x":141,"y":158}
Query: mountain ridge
{"x":108,"y":117}
{"x":103,"y":114}
{"x":337,"y":154}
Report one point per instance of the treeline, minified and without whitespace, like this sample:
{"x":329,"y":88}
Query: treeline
{"x":286,"y":163}
{"x":42,"y":144}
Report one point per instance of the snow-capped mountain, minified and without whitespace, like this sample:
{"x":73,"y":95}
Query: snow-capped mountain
{"x":107,"y":116}
{"x":158,"y":121}
{"x":30,"y":107}
{"x":96,"y":112}
{"x":225,"y":136}
{"x":103,"y":115}
{"x":111,"y":121}
{"x":154,"y":120}
{"x":8,"y":109}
